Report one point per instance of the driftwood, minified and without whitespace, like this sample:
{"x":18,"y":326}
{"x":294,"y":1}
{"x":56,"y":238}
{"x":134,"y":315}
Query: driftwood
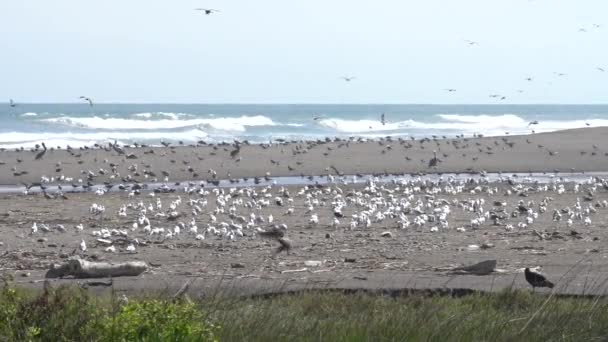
{"x":481,"y":268}
{"x":79,"y":268}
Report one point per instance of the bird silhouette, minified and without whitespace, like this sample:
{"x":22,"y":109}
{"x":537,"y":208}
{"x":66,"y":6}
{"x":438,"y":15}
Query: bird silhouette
{"x":206,"y":11}
{"x":12,"y":103}
{"x":88,"y":99}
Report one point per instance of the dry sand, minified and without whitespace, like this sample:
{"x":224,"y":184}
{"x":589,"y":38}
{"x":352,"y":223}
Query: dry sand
{"x":359,"y":258}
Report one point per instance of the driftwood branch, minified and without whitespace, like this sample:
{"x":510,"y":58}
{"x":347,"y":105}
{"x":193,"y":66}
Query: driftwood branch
{"x":79,"y":268}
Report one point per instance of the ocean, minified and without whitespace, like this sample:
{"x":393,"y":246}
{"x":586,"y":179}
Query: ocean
{"x":80,"y":124}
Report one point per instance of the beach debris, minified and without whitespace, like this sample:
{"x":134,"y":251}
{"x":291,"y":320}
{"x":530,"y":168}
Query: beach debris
{"x":313,"y":263}
{"x":387,"y":234}
{"x":481,"y":268}
{"x":79,"y":268}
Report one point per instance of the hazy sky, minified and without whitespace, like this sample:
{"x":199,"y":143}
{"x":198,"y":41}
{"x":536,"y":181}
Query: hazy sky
{"x":402,"y":51}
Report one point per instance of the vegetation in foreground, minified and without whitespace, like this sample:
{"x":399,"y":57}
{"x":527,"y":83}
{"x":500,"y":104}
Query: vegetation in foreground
{"x":72,"y":314}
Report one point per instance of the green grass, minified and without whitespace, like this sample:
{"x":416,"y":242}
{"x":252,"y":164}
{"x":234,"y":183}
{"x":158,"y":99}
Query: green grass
{"x":72,"y":314}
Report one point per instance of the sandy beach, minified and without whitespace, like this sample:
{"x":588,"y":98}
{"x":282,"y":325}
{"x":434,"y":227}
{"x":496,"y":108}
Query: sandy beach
{"x":378,"y":255}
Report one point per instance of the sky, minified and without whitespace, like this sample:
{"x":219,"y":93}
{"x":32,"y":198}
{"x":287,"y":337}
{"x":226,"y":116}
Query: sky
{"x":278,"y":51}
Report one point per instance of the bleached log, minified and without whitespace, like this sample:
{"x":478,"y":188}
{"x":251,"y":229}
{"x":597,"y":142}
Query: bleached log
{"x":78,"y":268}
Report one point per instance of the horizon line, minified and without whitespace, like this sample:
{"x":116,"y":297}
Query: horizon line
{"x":318,"y":103}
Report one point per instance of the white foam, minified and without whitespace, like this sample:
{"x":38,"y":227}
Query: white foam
{"x":483,"y":124}
{"x":29,"y":114}
{"x":173,"y":116}
{"x":19,"y":139}
{"x":237,"y":124}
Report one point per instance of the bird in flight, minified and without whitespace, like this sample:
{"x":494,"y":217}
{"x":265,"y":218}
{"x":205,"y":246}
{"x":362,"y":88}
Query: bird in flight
{"x":559,"y":74}
{"x":600,"y":69}
{"x":597,"y":25}
{"x":88,"y":99}
{"x":470,"y":42}
{"x":207,"y":11}
{"x":450,"y":90}
{"x":494,"y":95}
{"x":348,"y":78}
{"x":12,"y":103}
{"x":536,"y":279}
{"x":529,"y":79}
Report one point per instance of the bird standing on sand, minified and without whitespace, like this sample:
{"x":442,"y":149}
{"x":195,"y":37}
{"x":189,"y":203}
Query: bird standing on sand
{"x":41,"y":153}
{"x":536,"y":279}
{"x":88,"y":99}
{"x":12,"y":103}
{"x":206,"y":11}
{"x":278,"y":233}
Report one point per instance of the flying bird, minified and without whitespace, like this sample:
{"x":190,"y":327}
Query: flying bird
{"x":535,"y":122}
{"x":207,"y":11}
{"x":536,"y":279}
{"x":88,"y":99}
{"x":12,"y":103}
{"x":600,"y":69}
{"x":450,"y":90}
{"x":470,"y":42}
{"x":529,"y":79}
{"x":348,"y":78}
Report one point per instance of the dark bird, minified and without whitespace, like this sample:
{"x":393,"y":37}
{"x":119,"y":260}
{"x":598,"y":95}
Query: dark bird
{"x":600,"y":69}
{"x":529,"y":79}
{"x":535,"y":122}
{"x":451,"y":90}
{"x":434,"y":161}
{"x":12,"y":103}
{"x":207,"y":11}
{"x":348,"y":78}
{"x":88,"y":99}
{"x":537,"y":279}
{"x":284,"y":245}
{"x":41,"y":153}
{"x":275,"y":232}
{"x":117,"y":148}
{"x":236,"y":151}
{"x":383,"y":119}
{"x":471,"y":43}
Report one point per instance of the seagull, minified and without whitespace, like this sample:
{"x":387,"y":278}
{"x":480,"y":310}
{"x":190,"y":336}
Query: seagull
{"x":535,"y":122}
{"x":348,"y":78}
{"x":207,"y":11}
{"x":470,"y":42}
{"x":12,"y":103}
{"x":450,"y":90}
{"x":537,"y":279}
{"x":317,"y":117}
{"x":559,"y":74}
{"x":529,"y":79}
{"x":600,"y":69}
{"x":582,"y":30}
{"x":382,"y":119}
{"x":88,"y":99}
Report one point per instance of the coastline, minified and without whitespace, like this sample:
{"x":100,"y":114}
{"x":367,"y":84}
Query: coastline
{"x":577,"y":150}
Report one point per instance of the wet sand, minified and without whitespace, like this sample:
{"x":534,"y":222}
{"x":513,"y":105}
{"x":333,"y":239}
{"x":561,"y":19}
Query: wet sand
{"x":566,"y":151}
{"x":414,"y":257}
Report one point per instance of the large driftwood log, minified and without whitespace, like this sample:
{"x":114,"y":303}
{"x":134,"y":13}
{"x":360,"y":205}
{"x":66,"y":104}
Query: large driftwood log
{"x":79,"y":268}
{"x":480,"y":268}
